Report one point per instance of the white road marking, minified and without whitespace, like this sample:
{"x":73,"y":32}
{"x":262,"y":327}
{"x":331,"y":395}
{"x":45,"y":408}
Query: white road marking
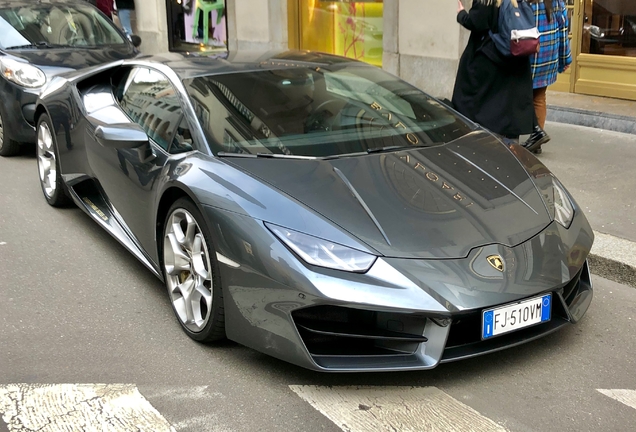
{"x":207,"y":421}
{"x":628,"y":397}
{"x":71,"y":407}
{"x":3,"y":243}
{"x":391,"y":409}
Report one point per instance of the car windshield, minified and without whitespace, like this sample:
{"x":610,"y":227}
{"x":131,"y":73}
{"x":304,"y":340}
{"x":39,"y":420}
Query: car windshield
{"x":318,"y":112}
{"x":54,"y":25}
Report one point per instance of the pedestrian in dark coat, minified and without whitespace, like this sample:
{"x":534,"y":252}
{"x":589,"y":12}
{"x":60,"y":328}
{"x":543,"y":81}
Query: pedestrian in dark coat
{"x":492,"y":89}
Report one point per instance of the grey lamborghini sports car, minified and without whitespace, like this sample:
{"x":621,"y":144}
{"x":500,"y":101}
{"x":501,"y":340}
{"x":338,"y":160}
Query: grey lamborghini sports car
{"x":317,"y":209}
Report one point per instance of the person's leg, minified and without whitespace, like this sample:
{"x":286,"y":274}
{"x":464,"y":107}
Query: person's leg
{"x":540,"y":106}
{"x":538,"y":136}
{"x":124,"y":19}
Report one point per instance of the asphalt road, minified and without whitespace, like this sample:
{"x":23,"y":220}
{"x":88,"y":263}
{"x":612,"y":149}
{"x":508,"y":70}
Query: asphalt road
{"x":76,"y":307}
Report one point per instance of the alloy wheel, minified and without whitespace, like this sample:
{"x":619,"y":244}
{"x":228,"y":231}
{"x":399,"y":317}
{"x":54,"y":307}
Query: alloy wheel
{"x":188,"y":272}
{"x":47,"y":166}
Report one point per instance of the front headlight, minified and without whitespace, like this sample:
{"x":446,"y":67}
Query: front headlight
{"x":323,"y":253}
{"x":22,"y":73}
{"x":559,"y":204}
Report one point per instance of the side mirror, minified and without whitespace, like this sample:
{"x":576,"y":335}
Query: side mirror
{"x":136,"y":40}
{"x":121,"y":136}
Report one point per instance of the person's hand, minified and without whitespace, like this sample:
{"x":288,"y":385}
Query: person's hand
{"x":460,"y":6}
{"x":566,"y":68}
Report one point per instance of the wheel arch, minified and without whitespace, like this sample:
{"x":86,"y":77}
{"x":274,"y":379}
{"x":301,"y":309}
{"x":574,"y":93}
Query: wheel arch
{"x":170,"y":195}
{"x":39,"y":110}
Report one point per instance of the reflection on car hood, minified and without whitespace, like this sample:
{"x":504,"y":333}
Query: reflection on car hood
{"x":437,"y":202}
{"x":74,"y":58}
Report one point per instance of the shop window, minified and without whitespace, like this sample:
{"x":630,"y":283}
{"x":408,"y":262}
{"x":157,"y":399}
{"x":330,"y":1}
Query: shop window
{"x":609,"y":27}
{"x":197,"y":25}
{"x":348,"y":28}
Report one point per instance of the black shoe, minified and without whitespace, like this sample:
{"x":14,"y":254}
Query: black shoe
{"x":537,"y":150}
{"x":538,"y":138}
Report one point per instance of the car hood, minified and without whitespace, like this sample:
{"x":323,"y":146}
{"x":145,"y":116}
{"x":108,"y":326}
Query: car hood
{"x":74,"y":58}
{"x":436,"y":202}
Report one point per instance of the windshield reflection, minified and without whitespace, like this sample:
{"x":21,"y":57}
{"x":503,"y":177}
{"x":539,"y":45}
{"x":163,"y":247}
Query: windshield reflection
{"x":318,"y":112}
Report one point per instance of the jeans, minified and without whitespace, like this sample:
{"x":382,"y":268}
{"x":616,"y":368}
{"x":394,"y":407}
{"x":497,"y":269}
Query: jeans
{"x":124,"y":19}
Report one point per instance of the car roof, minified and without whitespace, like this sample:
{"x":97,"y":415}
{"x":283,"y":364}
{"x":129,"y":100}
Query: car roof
{"x":190,"y":65}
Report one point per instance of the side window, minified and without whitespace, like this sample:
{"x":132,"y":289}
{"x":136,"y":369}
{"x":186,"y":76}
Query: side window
{"x":182,"y":141}
{"x":151,"y":101}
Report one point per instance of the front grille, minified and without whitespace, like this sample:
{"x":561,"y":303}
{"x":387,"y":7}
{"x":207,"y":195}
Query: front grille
{"x":341,"y":331}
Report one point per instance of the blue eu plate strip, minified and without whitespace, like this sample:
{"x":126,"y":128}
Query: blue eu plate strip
{"x":488,"y":324}
{"x":545,"y":307}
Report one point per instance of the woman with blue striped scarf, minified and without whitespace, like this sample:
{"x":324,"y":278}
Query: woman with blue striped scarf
{"x":554,"y":57}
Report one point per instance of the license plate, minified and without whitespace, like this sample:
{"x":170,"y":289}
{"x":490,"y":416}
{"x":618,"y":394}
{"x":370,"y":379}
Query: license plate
{"x":516,"y":316}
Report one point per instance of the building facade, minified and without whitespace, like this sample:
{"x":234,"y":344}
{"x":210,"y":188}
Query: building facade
{"x":417,"y":40}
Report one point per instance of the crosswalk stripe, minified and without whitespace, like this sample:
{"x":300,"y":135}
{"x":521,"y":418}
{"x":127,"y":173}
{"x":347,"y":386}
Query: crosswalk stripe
{"x":404,"y":409}
{"x":72,"y":407}
{"x":628,"y":397}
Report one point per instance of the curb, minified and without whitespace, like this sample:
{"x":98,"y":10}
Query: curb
{"x":613,"y":258}
{"x":595,"y":119}
{"x":613,"y":270}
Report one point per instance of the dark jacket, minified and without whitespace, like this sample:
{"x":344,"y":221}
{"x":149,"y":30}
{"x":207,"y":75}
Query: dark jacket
{"x":125,"y":4}
{"x":490,"y":89}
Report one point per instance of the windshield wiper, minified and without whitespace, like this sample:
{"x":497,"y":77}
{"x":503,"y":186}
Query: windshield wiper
{"x":373,"y":150}
{"x":41,"y":44}
{"x":264,"y":155}
{"x":397,"y":148}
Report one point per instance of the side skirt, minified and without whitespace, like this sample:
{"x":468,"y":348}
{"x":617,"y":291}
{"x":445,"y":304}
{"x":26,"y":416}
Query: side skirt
{"x":92,"y":202}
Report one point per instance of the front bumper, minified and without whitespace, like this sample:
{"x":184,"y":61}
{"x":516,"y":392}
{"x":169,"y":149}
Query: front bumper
{"x":403,"y":314}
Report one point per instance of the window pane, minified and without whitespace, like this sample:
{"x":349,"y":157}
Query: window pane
{"x":609,"y":27}
{"x":182,"y":141}
{"x":197,"y":25}
{"x":349,"y":28}
{"x":150,"y":100}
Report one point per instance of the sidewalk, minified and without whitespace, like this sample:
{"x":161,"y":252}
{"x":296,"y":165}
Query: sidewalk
{"x":613,"y":254}
{"x":599,"y":112}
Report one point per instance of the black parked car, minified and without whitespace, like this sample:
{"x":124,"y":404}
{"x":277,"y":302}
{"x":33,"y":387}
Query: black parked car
{"x":39,"y":40}
{"x":316,"y":208}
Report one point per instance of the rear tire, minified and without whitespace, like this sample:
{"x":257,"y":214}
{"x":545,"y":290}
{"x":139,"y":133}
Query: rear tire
{"x":191,"y":273}
{"x":49,"y":165}
{"x":8,"y":147}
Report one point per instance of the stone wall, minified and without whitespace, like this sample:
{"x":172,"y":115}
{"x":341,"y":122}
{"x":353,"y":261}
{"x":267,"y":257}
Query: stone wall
{"x":151,"y":24}
{"x":423,"y":43}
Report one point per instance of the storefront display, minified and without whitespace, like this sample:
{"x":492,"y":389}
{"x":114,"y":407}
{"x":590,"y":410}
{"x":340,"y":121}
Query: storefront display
{"x":609,"y":28}
{"x":349,"y":28}
{"x":197,"y":25}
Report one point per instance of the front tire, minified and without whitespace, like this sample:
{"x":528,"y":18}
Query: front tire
{"x":8,"y":147}
{"x":191,"y":273}
{"x":49,"y":166}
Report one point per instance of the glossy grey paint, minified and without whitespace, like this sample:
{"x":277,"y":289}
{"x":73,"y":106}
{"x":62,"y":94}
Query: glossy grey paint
{"x":436,"y":202}
{"x":437,"y":270}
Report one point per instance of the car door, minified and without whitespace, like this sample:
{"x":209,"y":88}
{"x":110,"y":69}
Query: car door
{"x":129,"y":176}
